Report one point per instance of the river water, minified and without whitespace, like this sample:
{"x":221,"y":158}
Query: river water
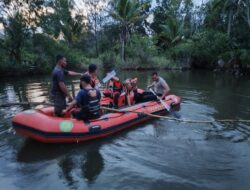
{"x":158,"y":154}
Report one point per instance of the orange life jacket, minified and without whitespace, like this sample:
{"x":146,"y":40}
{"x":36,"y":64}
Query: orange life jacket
{"x":117,"y":86}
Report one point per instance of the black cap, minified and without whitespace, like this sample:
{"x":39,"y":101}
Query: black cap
{"x":85,"y":78}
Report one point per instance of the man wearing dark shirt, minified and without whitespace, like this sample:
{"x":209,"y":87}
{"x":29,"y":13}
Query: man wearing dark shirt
{"x":59,"y":90}
{"x":88,"y":100}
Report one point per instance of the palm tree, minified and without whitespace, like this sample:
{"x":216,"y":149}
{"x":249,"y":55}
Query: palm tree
{"x":126,"y":12}
{"x":172,"y":31}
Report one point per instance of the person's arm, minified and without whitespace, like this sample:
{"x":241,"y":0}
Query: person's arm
{"x":97,"y":82}
{"x":65,"y":90}
{"x":77,"y":100}
{"x":71,"y":105}
{"x":150,"y":86}
{"x":116,"y":78}
{"x":73,"y":73}
{"x":166,"y":89}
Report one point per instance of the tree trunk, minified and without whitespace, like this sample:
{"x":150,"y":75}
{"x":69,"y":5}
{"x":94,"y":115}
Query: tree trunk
{"x":96,"y":41}
{"x":229,"y":25}
{"x":123,"y":42}
{"x":122,"y":48}
{"x":248,"y":15}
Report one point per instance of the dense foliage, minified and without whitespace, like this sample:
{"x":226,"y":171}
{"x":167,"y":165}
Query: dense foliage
{"x":124,"y":33}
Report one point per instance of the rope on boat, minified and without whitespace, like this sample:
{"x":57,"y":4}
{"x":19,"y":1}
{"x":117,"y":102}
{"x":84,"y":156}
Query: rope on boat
{"x":138,"y":112}
{"x":177,"y":119}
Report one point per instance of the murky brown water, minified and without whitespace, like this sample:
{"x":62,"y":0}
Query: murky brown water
{"x":159,"y":154}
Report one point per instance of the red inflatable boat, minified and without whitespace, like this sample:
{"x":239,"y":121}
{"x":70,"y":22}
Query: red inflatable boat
{"x":42,"y":126}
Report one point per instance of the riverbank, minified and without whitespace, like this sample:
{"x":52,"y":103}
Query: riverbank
{"x":108,"y":63}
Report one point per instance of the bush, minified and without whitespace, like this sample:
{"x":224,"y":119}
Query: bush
{"x":142,"y":49}
{"x":207,"y":46}
{"x":48,"y":48}
{"x":245,"y":57}
{"x":108,"y":61}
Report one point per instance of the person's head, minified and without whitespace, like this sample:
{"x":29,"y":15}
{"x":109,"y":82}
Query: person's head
{"x":92,"y":69}
{"x":61,"y":60}
{"x":127,"y":84}
{"x":154,"y":76}
{"x":85,"y":81}
{"x":133,"y":82}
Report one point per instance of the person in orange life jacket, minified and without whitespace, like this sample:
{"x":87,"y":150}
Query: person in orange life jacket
{"x":130,"y":88}
{"x":115,"y":89}
{"x":137,"y":95}
{"x":88,"y":100}
{"x":92,"y":72}
{"x":59,"y":91}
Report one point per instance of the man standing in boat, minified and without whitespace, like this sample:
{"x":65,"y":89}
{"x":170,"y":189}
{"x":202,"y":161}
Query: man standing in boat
{"x":88,"y":99}
{"x":59,"y":90}
{"x":159,"y":85}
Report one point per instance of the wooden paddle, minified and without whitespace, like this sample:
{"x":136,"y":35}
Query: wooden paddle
{"x":167,"y":107}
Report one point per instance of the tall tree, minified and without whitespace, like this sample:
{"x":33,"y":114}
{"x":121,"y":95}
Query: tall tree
{"x":62,"y":21}
{"x":231,"y":10}
{"x":96,"y":16}
{"x":126,"y":13}
{"x":19,"y":18}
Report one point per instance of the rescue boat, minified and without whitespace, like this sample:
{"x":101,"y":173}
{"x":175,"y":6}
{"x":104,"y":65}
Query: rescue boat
{"x":43,"y":126}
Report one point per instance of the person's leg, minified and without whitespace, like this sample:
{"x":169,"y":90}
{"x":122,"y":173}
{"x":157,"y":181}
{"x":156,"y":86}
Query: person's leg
{"x":116,"y":99}
{"x":148,"y":96}
{"x":80,"y":115}
{"x":59,"y":105}
{"x":137,"y":97}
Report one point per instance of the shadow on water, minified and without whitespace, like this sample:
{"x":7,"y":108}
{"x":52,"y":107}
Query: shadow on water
{"x":85,"y":156}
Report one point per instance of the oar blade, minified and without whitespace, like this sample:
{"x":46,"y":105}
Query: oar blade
{"x":167,"y":107}
{"x":109,"y":76}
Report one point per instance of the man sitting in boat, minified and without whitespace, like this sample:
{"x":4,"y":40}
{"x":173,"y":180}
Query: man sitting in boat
{"x":114,"y":89}
{"x":130,"y":89}
{"x":59,"y":91}
{"x":159,"y":85}
{"x":92,"y":72}
{"x":88,"y":99}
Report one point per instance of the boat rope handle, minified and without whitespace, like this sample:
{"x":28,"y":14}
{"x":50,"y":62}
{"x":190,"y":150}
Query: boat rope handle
{"x":138,"y":112}
{"x":177,"y":119}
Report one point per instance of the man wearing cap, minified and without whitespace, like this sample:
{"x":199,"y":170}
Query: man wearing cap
{"x":59,"y":90}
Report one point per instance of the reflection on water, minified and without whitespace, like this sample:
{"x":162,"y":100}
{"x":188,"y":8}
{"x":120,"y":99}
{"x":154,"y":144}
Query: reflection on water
{"x":85,"y":158}
{"x":158,"y":154}
{"x":90,"y":162}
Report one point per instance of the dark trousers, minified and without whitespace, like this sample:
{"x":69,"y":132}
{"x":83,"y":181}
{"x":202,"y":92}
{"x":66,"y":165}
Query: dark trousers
{"x":116,"y":96}
{"x":59,"y":104}
{"x":145,"y":97}
{"x":83,"y":115}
